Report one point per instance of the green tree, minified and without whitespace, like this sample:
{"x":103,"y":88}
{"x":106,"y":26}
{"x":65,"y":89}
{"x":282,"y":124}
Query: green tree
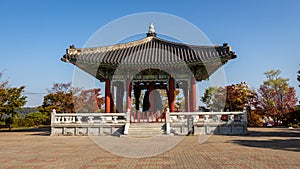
{"x":36,"y":119}
{"x":26,"y":110}
{"x":278,"y":99}
{"x":214,"y":98}
{"x":234,"y":97}
{"x":11,"y":100}
{"x":179,"y":103}
{"x":60,"y":98}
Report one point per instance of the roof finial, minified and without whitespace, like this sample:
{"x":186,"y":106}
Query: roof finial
{"x":151,"y":30}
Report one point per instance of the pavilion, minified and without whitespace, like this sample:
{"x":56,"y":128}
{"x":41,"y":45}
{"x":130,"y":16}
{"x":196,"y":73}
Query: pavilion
{"x":148,"y":64}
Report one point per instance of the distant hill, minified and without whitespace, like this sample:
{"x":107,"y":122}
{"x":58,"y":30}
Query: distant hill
{"x":26,"y":110}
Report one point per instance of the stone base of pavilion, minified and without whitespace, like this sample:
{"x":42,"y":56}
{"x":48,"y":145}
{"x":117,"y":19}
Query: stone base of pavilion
{"x":201,"y":123}
{"x":235,"y":128}
{"x":175,"y":123}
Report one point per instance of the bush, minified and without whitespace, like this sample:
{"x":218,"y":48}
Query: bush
{"x":254,"y":119}
{"x":36,"y":119}
{"x":30,"y":120}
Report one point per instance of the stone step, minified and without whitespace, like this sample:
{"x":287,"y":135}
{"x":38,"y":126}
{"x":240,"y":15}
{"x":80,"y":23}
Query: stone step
{"x":146,"y":125}
{"x":145,"y":133}
{"x":145,"y":129}
{"x":138,"y":136}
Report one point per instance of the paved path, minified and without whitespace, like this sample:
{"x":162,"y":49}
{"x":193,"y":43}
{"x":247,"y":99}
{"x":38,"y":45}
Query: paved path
{"x":263,"y":148}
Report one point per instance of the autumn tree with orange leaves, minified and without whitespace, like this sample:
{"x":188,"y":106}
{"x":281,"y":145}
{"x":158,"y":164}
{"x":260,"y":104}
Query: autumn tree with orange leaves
{"x":277,"y":97}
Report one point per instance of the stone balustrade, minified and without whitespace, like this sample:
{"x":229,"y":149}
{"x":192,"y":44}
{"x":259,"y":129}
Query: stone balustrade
{"x":177,"y":123}
{"x":183,"y":123}
{"x":207,"y":116}
{"x":87,"y":123}
{"x":87,"y":118}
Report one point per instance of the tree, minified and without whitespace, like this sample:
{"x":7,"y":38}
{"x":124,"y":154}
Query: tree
{"x":234,"y":97}
{"x":239,"y":96}
{"x":60,"y":98}
{"x":293,"y":118}
{"x":11,"y":100}
{"x":277,"y":97}
{"x":179,"y":103}
{"x":214,"y":98}
{"x":89,"y":101}
{"x":35,"y":119}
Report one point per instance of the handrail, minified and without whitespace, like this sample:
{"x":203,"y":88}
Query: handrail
{"x":86,"y":118}
{"x":205,"y":113}
{"x":91,"y":114}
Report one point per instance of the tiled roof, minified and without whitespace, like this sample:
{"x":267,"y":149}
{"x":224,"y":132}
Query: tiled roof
{"x":150,"y":53}
{"x":150,"y":50}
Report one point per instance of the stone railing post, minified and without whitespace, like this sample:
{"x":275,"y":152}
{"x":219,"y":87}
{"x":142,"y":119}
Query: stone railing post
{"x":219,"y":118}
{"x":230,"y":117}
{"x":168,"y":129}
{"x":53,"y":119}
{"x":245,"y":121}
{"x":127,"y":124}
{"x":128,"y":116}
{"x":245,"y":115}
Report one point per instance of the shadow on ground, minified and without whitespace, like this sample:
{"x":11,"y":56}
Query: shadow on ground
{"x":276,"y":132}
{"x":43,"y":131}
{"x":280,"y":139}
{"x":288,"y":144}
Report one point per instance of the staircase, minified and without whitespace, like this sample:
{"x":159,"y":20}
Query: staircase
{"x":144,"y":130}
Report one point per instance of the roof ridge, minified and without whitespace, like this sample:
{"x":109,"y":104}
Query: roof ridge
{"x":182,"y":44}
{"x":136,"y":43}
{"x":116,"y":46}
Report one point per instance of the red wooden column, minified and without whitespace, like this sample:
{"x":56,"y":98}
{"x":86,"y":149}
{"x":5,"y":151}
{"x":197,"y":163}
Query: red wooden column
{"x":193,"y":100}
{"x":128,"y":94}
{"x":172,"y":95}
{"x":112,"y":94}
{"x":107,"y":96}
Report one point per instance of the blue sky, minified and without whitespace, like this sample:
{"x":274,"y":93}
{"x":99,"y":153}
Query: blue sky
{"x":34,"y":35}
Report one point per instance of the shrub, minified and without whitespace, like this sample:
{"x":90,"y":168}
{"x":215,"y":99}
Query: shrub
{"x":35,"y":119}
{"x":254,"y":119}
